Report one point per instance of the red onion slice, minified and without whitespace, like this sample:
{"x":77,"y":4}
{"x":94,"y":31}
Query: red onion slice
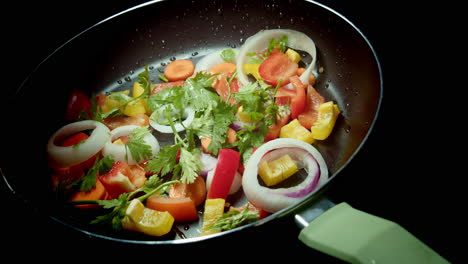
{"x":63,"y":157}
{"x":121,"y":152}
{"x":273,"y":200}
{"x":209,"y":163}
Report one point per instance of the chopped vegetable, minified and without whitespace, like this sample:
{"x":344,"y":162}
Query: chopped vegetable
{"x":117,"y":180}
{"x":327,"y":114}
{"x":214,"y":209}
{"x":277,"y":67}
{"x":293,"y":55}
{"x":294,"y":129}
{"x":145,"y":220}
{"x":225,"y":171}
{"x":179,"y":70}
{"x":313,"y":101}
{"x":278,"y":170}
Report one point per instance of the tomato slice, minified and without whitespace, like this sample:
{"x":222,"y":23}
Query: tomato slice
{"x":298,"y":102}
{"x":182,"y":209}
{"x":195,"y":191}
{"x":224,"y":88}
{"x":313,"y":101}
{"x":277,"y":67}
{"x":161,"y":86}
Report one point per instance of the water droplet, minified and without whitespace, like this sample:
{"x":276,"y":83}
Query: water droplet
{"x":241,"y":40}
{"x":151,"y":67}
{"x":234,"y":27}
{"x":347,"y":128}
{"x":163,"y":41}
{"x":195,"y":53}
{"x":186,"y":227}
{"x":220,"y":11}
{"x":131,"y":72}
{"x":172,"y":59}
{"x":119,"y":81}
{"x":161,"y":70}
{"x":291,"y":21}
{"x":163,"y":64}
{"x":128,"y":79}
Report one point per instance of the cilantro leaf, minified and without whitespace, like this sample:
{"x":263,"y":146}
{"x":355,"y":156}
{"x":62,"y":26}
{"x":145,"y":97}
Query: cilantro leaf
{"x":223,"y":116}
{"x":165,"y":160}
{"x":228,"y":55}
{"x":100,"y":165}
{"x":137,"y":146}
{"x":190,"y":164}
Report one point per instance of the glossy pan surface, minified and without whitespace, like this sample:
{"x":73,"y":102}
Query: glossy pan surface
{"x":109,"y":56}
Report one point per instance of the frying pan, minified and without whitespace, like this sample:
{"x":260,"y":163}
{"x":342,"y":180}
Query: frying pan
{"x":109,"y":55}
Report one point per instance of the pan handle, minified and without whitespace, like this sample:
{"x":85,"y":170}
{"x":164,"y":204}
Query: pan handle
{"x":358,"y":237}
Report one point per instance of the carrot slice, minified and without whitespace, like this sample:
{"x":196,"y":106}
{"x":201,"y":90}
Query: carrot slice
{"x":225,"y":67}
{"x":179,"y":70}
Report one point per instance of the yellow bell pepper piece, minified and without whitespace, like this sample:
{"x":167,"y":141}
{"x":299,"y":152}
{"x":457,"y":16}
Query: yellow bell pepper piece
{"x":135,"y":108}
{"x":243,"y":117}
{"x":295,"y":130}
{"x":137,"y":91}
{"x":278,"y":170}
{"x":252,"y":68}
{"x":148,"y":221}
{"x":111,"y":103}
{"x":214,"y":209}
{"x":327,"y":114}
{"x":293,"y":55}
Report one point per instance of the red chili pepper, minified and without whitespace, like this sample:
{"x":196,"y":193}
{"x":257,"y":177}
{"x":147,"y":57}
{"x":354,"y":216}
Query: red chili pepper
{"x":226,"y":168}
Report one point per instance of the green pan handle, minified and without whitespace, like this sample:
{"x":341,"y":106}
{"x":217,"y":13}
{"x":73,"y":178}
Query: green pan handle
{"x":357,"y":237}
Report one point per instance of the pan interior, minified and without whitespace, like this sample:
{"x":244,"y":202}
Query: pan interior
{"x":110,"y":55}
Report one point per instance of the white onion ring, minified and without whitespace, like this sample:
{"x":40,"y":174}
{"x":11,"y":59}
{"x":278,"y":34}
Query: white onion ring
{"x":121,"y":152}
{"x":259,"y":42}
{"x":63,"y":157}
{"x":212,"y":59}
{"x":189,"y":113}
{"x":273,"y":200}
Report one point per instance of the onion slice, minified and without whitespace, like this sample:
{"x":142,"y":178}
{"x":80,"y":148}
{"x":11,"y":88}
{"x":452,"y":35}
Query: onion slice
{"x":189,"y":113}
{"x":259,"y":42}
{"x":62,"y":157}
{"x":273,"y":200}
{"x":121,"y":152}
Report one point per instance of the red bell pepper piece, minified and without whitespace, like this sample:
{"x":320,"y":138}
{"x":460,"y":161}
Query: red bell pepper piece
{"x":117,"y":180}
{"x":226,"y":168}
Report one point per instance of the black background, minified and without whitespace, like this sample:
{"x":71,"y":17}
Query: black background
{"x":406,"y":171}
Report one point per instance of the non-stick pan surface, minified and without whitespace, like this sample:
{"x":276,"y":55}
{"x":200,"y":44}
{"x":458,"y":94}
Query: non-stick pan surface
{"x":121,"y":48}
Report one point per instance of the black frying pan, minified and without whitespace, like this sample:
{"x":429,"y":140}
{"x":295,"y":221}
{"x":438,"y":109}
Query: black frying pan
{"x":108,"y":54}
